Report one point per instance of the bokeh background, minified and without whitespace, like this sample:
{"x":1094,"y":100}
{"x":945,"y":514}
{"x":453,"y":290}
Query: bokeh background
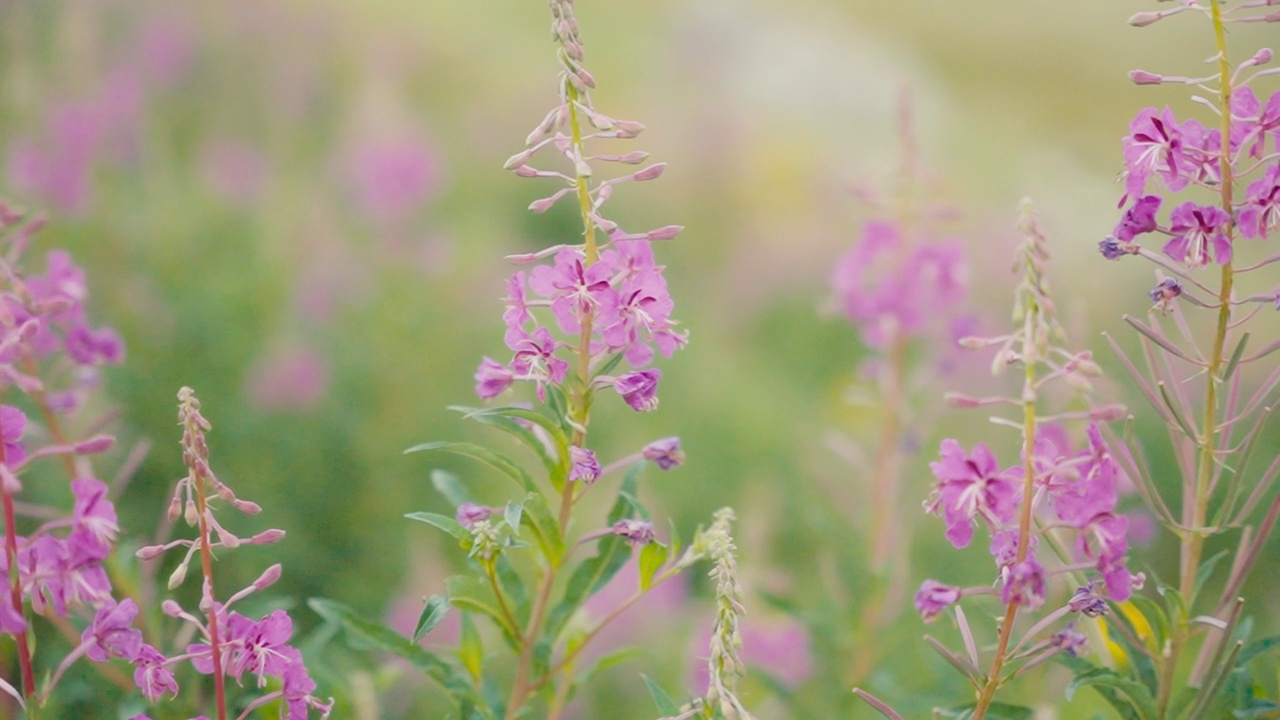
{"x":298,"y":209}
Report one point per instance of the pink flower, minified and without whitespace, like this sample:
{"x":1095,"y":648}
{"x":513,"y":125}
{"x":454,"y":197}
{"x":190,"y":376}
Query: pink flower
{"x":151,"y":676}
{"x":1195,"y":229}
{"x":1139,"y":219}
{"x":933,"y":597}
{"x":1261,"y":210}
{"x":392,"y":178}
{"x":1157,"y":144}
{"x":664,"y":453}
{"x":492,"y":378}
{"x":111,"y":634}
{"x":639,"y":389}
{"x":970,"y":487}
{"x":584,"y":466}
{"x":292,"y":377}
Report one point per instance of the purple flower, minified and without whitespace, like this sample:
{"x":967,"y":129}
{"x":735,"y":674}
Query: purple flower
{"x":111,"y":634}
{"x":636,"y":532}
{"x":1139,"y":219}
{"x":535,"y":357}
{"x":664,"y":453}
{"x":933,"y":597}
{"x":1261,"y":210}
{"x":638,"y":314}
{"x":1077,"y":503}
{"x":1195,"y":228}
{"x":1088,"y":602}
{"x":151,"y":676}
{"x":12,"y":424}
{"x":1165,"y":292}
{"x":470,"y":513}
{"x":516,"y":314}
{"x":575,"y":289}
{"x":492,"y":378}
{"x":1111,"y":249}
{"x":1004,"y":547}
{"x":969,"y":487}
{"x":585,"y":467}
{"x":1256,"y":120}
{"x":1024,"y":583}
{"x":261,"y":645}
{"x":1156,"y":144}
{"x":1069,"y":640}
{"x":392,"y":178}
{"x":94,"y":347}
{"x":94,"y":516}
{"x":639,"y":389}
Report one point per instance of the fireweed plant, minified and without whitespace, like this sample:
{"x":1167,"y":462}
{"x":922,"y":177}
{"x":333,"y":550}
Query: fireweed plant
{"x":909,"y":340}
{"x":582,"y":319}
{"x":1186,"y":654}
{"x":62,"y":572}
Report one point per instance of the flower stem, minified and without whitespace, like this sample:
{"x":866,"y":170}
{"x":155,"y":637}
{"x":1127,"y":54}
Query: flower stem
{"x":206,"y":563}
{"x":15,"y":587}
{"x":988,"y":692}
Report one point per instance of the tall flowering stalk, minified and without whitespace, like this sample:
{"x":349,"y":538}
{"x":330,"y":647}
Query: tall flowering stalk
{"x":1059,"y":496}
{"x":908,"y":336}
{"x":1197,"y":384}
{"x":582,"y":318}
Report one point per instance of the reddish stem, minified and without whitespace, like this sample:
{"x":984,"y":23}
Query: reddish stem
{"x":206,"y":562}
{"x":15,"y":581}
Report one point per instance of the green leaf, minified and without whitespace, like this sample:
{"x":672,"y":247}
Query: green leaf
{"x":1205,"y":572}
{"x":1135,"y":692}
{"x":470,"y":649}
{"x":1256,"y":648}
{"x":675,"y":538}
{"x":470,"y":594}
{"x":613,"y":659}
{"x":652,"y":557}
{"x":626,"y":505}
{"x":1155,"y":617}
{"x":484,"y":455}
{"x":661,"y":699}
{"x":558,"y":404}
{"x":996,"y":711}
{"x":546,"y":531}
{"x":442,"y":670}
{"x":450,"y":487}
{"x":433,"y":612}
{"x":512,"y":516}
{"x":445,"y":523}
{"x":504,"y":419}
{"x":513,"y":585}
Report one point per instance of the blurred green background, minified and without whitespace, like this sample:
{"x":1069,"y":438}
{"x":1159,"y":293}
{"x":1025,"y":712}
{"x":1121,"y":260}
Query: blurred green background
{"x":298,"y":209}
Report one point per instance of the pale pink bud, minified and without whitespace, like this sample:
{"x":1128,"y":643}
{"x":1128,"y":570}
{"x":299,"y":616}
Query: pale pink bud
{"x":632,"y":158}
{"x":525,"y":171}
{"x":574,"y":50}
{"x":267,"y":537}
{"x":229,"y":541}
{"x":628,"y":128}
{"x":1142,"y":77}
{"x":248,"y":507}
{"x":95,"y":444}
{"x":576,"y":82}
{"x":1262,"y":57}
{"x":28,"y":329}
{"x":959,"y":400}
{"x":179,"y":574}
{"x":150,"y":552}
{"x":587,"y":78}
{"x":268,"y":577}
{"x":582,"y":168}
{"x":1108,"y":413}
{"x":171,"y":608}
{"x":191,"y":514}
{"x":175,"y":509}
{"x":653,"y":172}
{"x":544,"y":204}
{"x":206,"y":596}
{"x":1273,"y":17}
{"x":1144,"y":19}
{"x":515,"y":162}
{"x":666,"y":232}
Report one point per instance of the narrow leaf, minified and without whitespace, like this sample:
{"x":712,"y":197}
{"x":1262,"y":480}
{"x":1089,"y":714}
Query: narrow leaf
{"x":450,"y":487}
{"x":512,"y":516}
{"x":661,"y":699}
{"x":443,"y":522}
{"x":437,"y":606}
{"x":484,"y":455}
{"x":652,"y":558}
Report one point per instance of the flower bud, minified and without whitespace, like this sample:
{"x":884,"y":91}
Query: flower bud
{"x":95,"y":444}
{"x":1142,"y":77}
{"x":1144,"y":19}
{"x":666,"y":232}
{"x":248,"y":507}
{"x":179,"y":574}
{"x":664,"y":453}
{"x":267,"y":537}
{"x":268,"y":577}
{"x":171,"y":608}
{"x":636,"y":532}
{"x":150,"y":552}
{"x":1262,"y":57}
{"x":653,"y":172}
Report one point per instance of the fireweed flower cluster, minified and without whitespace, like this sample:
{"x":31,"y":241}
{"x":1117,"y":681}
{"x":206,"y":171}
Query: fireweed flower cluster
{"x":1057,"y":496}
{"x":230,"y":644}
{"x":55,"y":568}
{"x":580,"y":318}
{"x":1219,"y":180}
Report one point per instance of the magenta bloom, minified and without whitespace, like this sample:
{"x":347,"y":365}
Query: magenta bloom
{"x":94,"y":516}
{"x":639,"y":389}
{"x":393,"y":178}
{"x":1156,"y":144}
{"x":933,"y":597}
{"x":1139,"y":219}
{"x":575,"y":289}
{"x":492,"y":378}
{"x":1261,"y":210}
{"x":1195,"y":229}
{"x":535,"y":357}
{"x":664,"y":453}
{"x":636,"y":532}
{"x":469,"y":514}
{"x":262,"y":645}
{"x":111,"y":634}
{"x":969,"y":487}
{"x":1024,"y":583}
{"x":1077,"y":503}
{"x":1255,"y":120}
{"x":12,"y":424}
{"x":151,"y":676}
{"x":584,"y":467}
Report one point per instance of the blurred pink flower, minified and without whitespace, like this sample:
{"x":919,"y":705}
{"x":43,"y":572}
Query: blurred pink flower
{"x":166,"y":50}
{"x":289,"y":378}
{"x":637,"y":622}
{"x":59,"y":167}
{"x":234,"y":170}
{"x":392,"y":178}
